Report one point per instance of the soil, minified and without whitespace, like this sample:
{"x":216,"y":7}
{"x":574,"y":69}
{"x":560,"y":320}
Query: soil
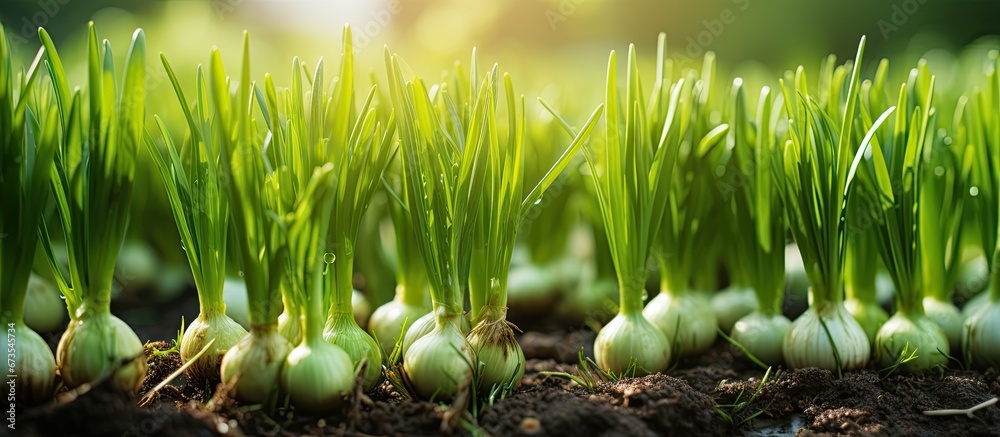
{"x":716,"y":393}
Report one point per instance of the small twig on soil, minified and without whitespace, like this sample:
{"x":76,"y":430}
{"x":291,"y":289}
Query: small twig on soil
{"x":180,"y":370}
{"x":967,"y":412}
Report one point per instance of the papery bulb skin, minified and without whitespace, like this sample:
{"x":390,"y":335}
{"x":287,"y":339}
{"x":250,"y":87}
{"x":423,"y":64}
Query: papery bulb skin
{"x":44,"y":310}
{"x":911,"y":332}
{"x":255,"y":363}
{"x":387,"y":322}
{"x":869,"y":315}
{"x":97,"y":343}
{"x":686,"y":320}
{"x":202,"y":330}
{"x":981,"y":336}
{"x":361,"y":307}
{"x":439,"y":363}
{"x":808,"y":345}
{"x":493,"y":341}
{"x":424,"y":325}
{"x":631,"y":336}
{"x":317,"y":376}
{"x":34,"y":365}
{"x":763,"y":335}
{"x":345,"y":333}
{"x":947,"y":316}
{"x":290,"y":326}
{"x":731,"y":304}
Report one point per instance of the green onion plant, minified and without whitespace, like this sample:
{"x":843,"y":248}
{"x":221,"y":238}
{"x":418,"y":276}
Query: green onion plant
{"x":360,"y":147}
{"x":92,"y":184}
{"x":861,"y":264}
{"x":814,"y":184}
{"x":760,"y":222}
{"x":194,"y":182}
{"x":29,"y":138}
{"x":501,"y":211}
{"x":681,"y":309}
{"x":947,"y":168}
{"x":632,"y":176}
{"x":253,"y":366}
{"x":894,"y":184}
{"x":390,"y":321}
{"x":981,"y":331}
{"x":444,"y":172}
{"x":317,"y":375}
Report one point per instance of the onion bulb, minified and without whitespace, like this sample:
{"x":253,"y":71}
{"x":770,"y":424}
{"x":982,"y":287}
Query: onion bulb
{"x":904,"y":334}
{"x":203,"y":329}
{"x":981,"y":336}
{"x":497,"y":350}
{"x":947,"y":317}
{"x":96,"y":343}
{"x":629,"y":338}
{"x":255,"y":364}
{"x":976,"y":303}
{"x":424,"y":325}
{"x":317,"y":376}
{"x":389,"y":322}
{"x":868,"y":314}
{"x":439,"y":363}
{"x":34,"y":365}
{"x":344,"y":332}
{"x":290,"y":321}
{"x":808,"y":345}
{"x":762,"y":335}
{"x":731,"y":304}
{"x":686,"y":319}
{"x":43,"y":307}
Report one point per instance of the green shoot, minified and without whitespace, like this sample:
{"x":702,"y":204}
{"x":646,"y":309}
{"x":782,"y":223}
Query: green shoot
{"x":904,"y":356}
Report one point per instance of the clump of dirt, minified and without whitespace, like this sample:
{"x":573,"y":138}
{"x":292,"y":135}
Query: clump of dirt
{"x":651,"y":405}
{"x":404,"y":418}
{"x":163,"y":362}
{"x":694,"y":399}
{"x":669,"y":406}
{"x":544,"y":411}
{"x":99,"y":412}
{"x":863,"y":403}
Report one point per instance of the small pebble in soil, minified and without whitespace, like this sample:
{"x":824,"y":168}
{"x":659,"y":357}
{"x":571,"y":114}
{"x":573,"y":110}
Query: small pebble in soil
{"x":531,"y":425}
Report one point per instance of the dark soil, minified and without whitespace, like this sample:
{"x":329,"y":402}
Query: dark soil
{"x":714,"y":394}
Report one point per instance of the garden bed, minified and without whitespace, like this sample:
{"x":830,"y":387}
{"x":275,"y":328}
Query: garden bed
{"x":694,"y":398}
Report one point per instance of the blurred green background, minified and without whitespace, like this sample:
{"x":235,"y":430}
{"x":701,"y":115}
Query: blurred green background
{"x":567,"y":37}
{"x":556,"y":49}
